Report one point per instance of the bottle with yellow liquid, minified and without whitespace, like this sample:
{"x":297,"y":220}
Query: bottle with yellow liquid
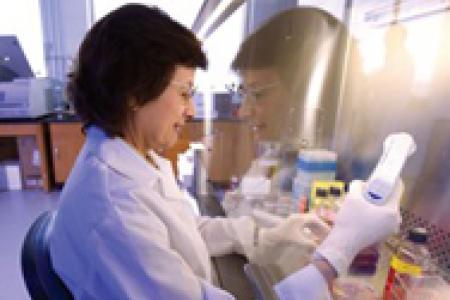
{"x":411,"y":262}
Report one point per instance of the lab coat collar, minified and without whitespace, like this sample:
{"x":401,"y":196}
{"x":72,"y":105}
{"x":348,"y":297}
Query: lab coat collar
{"x":119,"y":155}
{"x":169,"y":185}
{"x":123,"y":158}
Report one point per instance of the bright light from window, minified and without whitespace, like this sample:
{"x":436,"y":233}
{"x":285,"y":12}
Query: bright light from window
{"x":422,"y":42}
{"x":23,"y":19}
{"x":183,"y":11}
{"x":220,"y":54}
{"x":336,"y":8}
{"x":213,"y":17}
{"x":423,"y":37}
{"x":372,"y":50}
{"x":315,"y":89}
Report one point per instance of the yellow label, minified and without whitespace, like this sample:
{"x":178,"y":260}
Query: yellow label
{"x":326,"y":185}
{"x":403,"y":267}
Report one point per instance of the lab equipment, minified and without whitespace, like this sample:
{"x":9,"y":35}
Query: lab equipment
{"x":411,"y":266}
{"x":258,"y":179}
{"x":325,"y":195}
{"x":397,"y":148}
{"x":429,"y":288}
{"x":255,"y":185}
{"x":351,"y":288}
{"x":25,"y":97}
{"x":366,"y":261}
{"x":13,"y":63}
{"x":10,"y":178}
{"x":312,"y":164}
{"x":236,"y":203}
{"x":21,"y":94}
{"x":223,"y":107}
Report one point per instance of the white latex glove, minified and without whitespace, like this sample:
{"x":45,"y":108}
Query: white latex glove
{"x":359,"y":224}
{"x":287,"y":247}
{"x":265,"y":219}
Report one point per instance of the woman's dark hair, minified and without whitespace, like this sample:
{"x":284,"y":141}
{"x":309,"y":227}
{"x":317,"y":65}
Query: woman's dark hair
{"x":127,"y":59}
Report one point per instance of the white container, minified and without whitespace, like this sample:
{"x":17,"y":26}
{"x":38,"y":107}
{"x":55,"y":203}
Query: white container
{"x":10,"y":178}
{"x":312,"y":164}
{"x":255,"y":185}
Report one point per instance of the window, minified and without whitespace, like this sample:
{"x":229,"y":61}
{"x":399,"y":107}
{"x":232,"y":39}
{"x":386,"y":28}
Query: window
{"x":23,"y":19}
{"x":182,"y":11}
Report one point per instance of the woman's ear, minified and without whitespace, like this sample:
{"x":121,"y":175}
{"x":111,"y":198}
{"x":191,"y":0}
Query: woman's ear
{"x":133,"y":105}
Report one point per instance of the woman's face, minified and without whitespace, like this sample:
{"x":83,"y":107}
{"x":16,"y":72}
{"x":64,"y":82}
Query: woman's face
{"x":158,"y":124}
{"x":262,"y":105}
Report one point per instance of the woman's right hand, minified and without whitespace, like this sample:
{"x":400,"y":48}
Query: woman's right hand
{"x":359,"y":224}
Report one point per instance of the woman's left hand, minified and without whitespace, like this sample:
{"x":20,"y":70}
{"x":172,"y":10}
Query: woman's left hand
{"x":289,"y":245}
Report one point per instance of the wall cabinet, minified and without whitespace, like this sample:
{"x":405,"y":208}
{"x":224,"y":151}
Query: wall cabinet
{"x":66,"y":140}
{"x":18,"y":128}
{"x":229,"y":148}
{"x":229,"y":154}
{"x":231,"y":151}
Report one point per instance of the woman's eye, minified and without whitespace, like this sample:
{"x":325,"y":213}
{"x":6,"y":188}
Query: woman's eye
{"x":186,"y":95}
{"x":259,"y":94}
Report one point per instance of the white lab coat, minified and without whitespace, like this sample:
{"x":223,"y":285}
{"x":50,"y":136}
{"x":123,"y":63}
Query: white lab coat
{"x":124,"y":230}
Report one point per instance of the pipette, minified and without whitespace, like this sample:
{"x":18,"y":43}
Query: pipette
{"x":397,"y":147}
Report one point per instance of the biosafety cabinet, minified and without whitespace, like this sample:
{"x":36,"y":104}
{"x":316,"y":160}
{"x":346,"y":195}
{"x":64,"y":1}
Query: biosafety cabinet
{"x":305,"y":81}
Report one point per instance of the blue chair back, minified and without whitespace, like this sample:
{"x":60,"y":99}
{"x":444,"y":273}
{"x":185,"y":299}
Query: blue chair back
{"x":41,"y":280}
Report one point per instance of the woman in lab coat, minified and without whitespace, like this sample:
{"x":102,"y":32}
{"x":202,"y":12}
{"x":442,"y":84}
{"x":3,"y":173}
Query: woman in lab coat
{"x":123,"y":229}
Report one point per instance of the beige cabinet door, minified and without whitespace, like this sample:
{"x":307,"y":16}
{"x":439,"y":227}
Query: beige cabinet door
{"x":229,"y":153}
{"x":232,"y":150}
{"x":66,"y":142}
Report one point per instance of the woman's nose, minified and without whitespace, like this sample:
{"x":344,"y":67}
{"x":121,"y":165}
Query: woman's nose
{"x":190,"y":109}
{"x":245,"y":110}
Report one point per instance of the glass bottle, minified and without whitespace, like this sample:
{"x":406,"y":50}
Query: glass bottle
{"x":410,"y":261}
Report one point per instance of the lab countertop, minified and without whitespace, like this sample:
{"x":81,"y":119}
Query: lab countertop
{"x":62,"y":118}
{"x":22,"y":119}
{"x":48,"y":118}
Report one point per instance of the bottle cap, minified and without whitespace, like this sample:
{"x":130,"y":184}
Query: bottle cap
{"x":418,"y":235}
{"x":336,"y":192}
{"x":321,"y":193}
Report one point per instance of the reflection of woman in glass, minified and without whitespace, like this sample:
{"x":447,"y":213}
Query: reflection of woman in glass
{"x":291,"y":69}
{"x":291,"y":75}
